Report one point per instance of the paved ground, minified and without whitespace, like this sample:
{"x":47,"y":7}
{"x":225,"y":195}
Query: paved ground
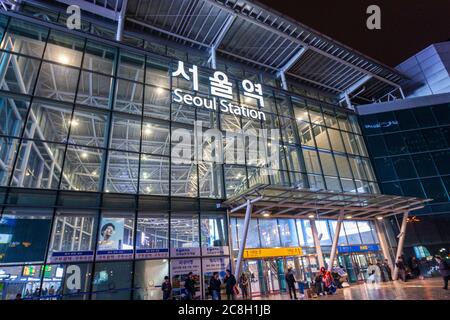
{"x":428,"y":289}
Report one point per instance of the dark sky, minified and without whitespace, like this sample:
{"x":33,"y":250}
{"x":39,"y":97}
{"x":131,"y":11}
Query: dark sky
{"x":407,"y":26}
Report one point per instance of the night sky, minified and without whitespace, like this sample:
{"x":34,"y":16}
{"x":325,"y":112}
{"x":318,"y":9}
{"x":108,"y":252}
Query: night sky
{"x":407,"y":26}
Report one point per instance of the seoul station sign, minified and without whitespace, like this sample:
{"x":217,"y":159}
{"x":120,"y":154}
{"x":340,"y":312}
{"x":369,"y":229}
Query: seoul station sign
{"x":221,"y":90}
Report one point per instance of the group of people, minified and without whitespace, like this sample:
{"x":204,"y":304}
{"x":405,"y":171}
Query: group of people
{"x":214,"y":287}
{"x":379,"y":272}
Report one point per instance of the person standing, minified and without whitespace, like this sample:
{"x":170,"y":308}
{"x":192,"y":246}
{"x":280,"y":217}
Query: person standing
{"x":214,"y":286}
{"x":243,"y":284}
{"x":444,"y":269}
{"x":388,"y":269}
{"x":290,"y":280}
{"x":230,"y":283}
{"x":401,"y":269}
{"x":415,"y":270}
{"x":189,"y":285}
{"x":166,"y":288}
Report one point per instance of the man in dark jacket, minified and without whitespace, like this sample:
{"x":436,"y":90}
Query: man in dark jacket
{"x":444,"y":269}
{"x":230,"y":282}
{"x":401,"y":269}
{"x":290,"y":280}
{"x":189,"y":285}
{"x":214,"y":286}
{"x":166,"y":288}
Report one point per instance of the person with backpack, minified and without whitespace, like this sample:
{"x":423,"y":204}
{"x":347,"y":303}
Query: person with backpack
{"x":444,"y":269}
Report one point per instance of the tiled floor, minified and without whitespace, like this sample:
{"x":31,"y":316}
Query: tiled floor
{"x":428,"y":289}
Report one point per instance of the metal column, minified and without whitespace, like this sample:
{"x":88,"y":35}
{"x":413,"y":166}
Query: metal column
{"x":335,"y":242}
{"x":401,"y":241}
{"x":317,"y":243}
{"x":121,"y":21}
{"x":248,"y":214}
{"x":282,"y":76}
{"x":383,"y":243}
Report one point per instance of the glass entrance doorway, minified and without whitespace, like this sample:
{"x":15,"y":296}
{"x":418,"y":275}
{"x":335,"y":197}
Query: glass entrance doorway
{"x":356,"y":264}
{"x":267,"y":276}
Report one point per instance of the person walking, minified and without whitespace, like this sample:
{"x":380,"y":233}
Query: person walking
{"x":230,"y":283}
{"x":401,"y":269}
{"x":444,"y":269}
{"x":373,"y":274}
{"x":189,"y":285}
{"x":290,"y":280}
{"x":214,"y":286}
{"x":243,"y":284}
{"x":166,"y":288}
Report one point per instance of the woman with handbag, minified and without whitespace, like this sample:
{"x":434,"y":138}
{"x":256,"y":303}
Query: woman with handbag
{"x":230,"y":285}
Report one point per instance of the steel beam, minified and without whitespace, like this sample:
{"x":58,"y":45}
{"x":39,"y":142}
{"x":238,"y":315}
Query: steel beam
{"x":248,"y":214}
{"x":335,"y":241}
{"x":401,"y":241}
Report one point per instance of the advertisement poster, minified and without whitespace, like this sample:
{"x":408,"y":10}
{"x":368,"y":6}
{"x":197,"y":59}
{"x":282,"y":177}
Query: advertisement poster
{"x":111,"y":240}
{"x":211,"y":265}
{"x":179,"y":270}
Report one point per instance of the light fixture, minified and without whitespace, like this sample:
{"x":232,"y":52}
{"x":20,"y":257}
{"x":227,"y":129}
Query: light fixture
{"x":74,"y":122}
{"x":94,"y":173}
{"x":379,"y":218}
{"x":265,"y":213}
{"x":311,"y":216}
{"x":348,"y":217}
{"x":145,"y":175}
{"x":64,"y":59}
{"x":84,"y":155}
{"x":159,"y":90}
{"x":148,"y":129}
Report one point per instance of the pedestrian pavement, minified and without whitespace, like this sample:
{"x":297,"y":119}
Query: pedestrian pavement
{"x":427,"y":289}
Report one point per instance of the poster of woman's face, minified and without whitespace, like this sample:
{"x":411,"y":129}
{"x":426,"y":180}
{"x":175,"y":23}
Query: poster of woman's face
{"x":111,"y":234}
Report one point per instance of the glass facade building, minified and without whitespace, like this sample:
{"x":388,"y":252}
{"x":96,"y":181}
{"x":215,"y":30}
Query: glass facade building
{"x":411,"y":151}
{"x":93,"y":203}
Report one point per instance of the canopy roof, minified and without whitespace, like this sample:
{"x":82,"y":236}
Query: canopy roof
{"x":279,"y":201}
{"x":254,"y":34}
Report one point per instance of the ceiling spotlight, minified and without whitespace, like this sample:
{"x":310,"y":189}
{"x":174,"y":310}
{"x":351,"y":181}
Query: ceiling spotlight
{"x":311,"y":216}
{"x":147,"y":129}
{"x":84,"y":155}
{"x":159,"y":90}
{"x":74,"y":122}
{"x":348,"y":217}
{"x":64,"y":59}
{"x":379,"y":218}
{"x":265,"y":213}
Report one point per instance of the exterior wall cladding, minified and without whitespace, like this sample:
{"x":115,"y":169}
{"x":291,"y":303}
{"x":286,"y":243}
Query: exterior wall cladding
{"x":93,"y":207}
{"x":409,"y":144}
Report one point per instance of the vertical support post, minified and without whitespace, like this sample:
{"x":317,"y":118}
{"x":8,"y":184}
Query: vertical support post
{"x":335,"y":241}
{"x":348,"y":101}
{"x":248,"y":213}
{"x":317,"y":243}
{"x":121,"y":21}
{"x":282,"y":76}
{"x":401,"y":241}
{"x":212,"y":57}
{"x":383,"y":243}
{"x":401,"y":92}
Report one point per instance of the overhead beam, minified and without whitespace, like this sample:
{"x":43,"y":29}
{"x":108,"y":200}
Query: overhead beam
{"x":93,"y":8}
{"x":347,"y":92}
{"x":298,"y":41}
{"x":218,"y":40}
{"x":282,"y":71}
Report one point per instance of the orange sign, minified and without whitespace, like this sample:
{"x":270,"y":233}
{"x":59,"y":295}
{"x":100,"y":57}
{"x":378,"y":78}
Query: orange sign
{"x":272,"y":252}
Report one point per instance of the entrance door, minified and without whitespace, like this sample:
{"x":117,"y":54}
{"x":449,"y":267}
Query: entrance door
{"x":251,"y":267}
{"x":272,"y":275}
{"x":360,"y":264}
